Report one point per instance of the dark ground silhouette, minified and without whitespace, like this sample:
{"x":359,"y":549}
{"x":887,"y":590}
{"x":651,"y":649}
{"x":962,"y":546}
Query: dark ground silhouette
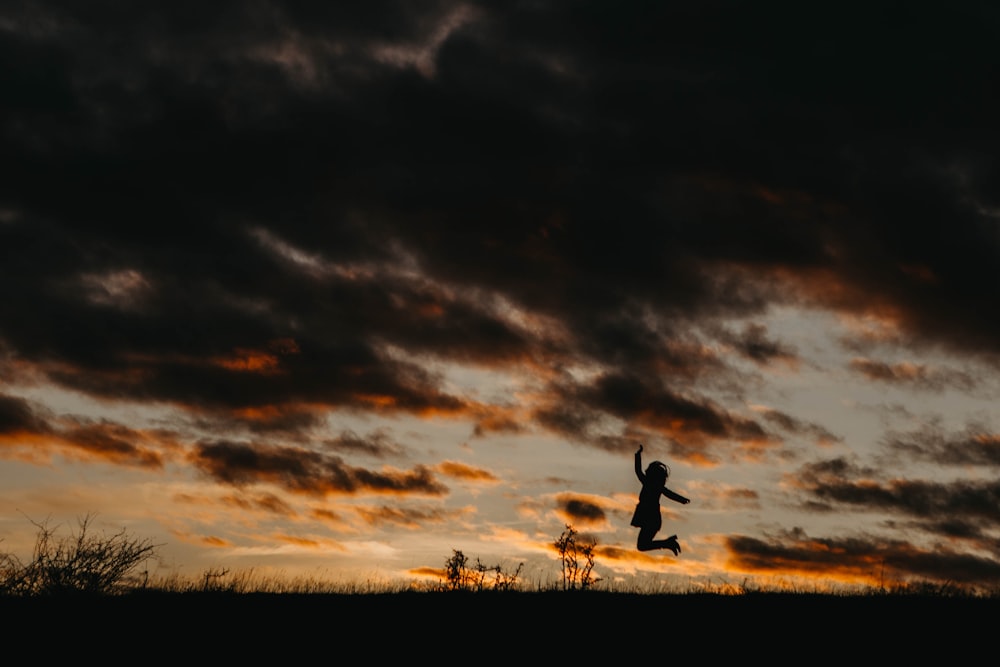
{"x":462,"y":628}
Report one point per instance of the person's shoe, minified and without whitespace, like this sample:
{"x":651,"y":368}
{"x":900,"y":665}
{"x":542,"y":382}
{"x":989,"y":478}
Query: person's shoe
{"x":673,"y":545}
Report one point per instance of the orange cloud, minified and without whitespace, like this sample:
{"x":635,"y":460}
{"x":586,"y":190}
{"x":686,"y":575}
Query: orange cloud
{"x":249,"y":360}
{"x":212,"y":541}
{"x":300,"y":541}
{"x":428,"y":572}
{"x":465,"y":472}
{"x":325,"y":515}
{"x":499,"y":420}
{"x":28,"y":446}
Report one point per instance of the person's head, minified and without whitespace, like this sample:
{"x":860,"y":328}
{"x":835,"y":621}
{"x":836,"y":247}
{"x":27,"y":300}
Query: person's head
{"x":657,"y":472}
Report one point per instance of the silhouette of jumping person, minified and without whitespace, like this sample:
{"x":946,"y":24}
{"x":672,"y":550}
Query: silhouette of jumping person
{"x":647,"y":512}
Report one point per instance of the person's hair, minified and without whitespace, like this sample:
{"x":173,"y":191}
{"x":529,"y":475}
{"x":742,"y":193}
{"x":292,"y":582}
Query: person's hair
{"x":658,"y":469}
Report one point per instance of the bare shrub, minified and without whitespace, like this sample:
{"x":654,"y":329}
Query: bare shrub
{"x":480,"y":577}
{"x":80,"y":563}
{"x":576,"y":560}
{"x":455,"y":570}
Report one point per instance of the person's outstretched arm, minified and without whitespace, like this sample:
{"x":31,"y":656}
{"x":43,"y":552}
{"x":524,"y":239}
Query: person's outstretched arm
{"x":638,"y":466}
{"x":676,"y":497}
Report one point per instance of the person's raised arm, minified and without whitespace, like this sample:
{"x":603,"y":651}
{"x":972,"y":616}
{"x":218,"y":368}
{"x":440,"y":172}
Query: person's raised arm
{"x":676,"y":497}
{"x":638,"y":466}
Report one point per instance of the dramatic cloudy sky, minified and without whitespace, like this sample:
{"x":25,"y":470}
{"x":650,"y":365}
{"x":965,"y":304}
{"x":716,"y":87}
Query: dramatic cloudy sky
{"x":338,"y":288}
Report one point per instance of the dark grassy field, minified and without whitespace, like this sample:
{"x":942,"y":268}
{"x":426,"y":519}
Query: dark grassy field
{"x":462,"y":627}
{"x":224,"y":618}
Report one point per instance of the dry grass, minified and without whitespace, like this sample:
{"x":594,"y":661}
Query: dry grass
{"x":246,"y":582}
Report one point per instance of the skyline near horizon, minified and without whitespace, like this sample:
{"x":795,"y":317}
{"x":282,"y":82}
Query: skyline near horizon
{"x":324,"y":290}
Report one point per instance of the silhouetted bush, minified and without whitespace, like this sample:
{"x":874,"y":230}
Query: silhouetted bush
{"x":460,"y":577}
{"x":81,"y":563}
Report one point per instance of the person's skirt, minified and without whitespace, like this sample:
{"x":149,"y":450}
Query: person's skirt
{"x":647,"y":516}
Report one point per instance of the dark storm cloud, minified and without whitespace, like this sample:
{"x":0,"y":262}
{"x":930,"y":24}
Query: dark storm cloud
{"x":112,"y":442}
{"x":413,"y":518}
{"x":876,"y":562}
{"x":306,"y":471}
{"x":754,"y":344}
{"x":266,"y":502}
{"x":647,"y":401}
{"x":971,"y":500}
{"x":376,"y":444}
{"x":798,"y":427}
{"x":917,"y":376}
{"x":28,"y":425}
{"x":955,"y":515}
{"x":975,"y":446}
{"x":18,"y":415}
{"x":580,"y":510}
{"x":184,"y":187}
{"x":967,"y":508}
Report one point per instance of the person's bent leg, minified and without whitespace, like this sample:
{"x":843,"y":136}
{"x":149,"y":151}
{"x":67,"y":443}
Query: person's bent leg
{"x":645,"y":540}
